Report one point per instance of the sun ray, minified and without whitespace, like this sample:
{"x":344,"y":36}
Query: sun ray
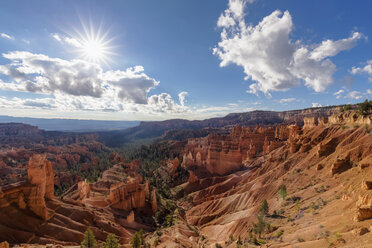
{"x":94,"y":44}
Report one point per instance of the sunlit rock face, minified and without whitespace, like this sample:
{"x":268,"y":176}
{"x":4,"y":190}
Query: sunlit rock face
{"x":41,"y":177}
{"x":33,"y":193}
{"x":223,"y":154}
{"x":127,"y":196}
{"x":350,"y":118}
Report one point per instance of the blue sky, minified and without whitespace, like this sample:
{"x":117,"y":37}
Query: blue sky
{"x":181,"y":59}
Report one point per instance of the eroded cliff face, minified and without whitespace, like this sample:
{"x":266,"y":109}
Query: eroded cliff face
{"x":222,"y":154}
{"x":350,"y":118}
{"x":326,"y":166}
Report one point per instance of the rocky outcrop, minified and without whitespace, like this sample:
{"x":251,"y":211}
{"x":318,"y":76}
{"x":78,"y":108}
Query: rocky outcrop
{"x":350,"y":118}
{"x":41,"y":178}
{"x":40,"y":173}
{"x":4,"y":244}
{"x":130,"y":217}
{"x":127,"y":196}
{"x":173,"y":166}
{"x":364,"y":207}
{"x":192,"y":177}
{"x":366,"y":185}
{"x":327,"y":147}
{"x":310,"y":122}
{"x":84,"y":190}
{"x":340,"y":166}
{"x":33,"y":193}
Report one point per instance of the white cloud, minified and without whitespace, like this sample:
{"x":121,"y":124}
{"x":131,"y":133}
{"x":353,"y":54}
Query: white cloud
{"x":356,"y":95}
{"x":338,"y":93}
{"x":133,"y":84}
{"x":316,"y":105}
{"x":6,"y":36}
{"x":72,"y":42}
{"x":76,"y":89}
{"x":182,"y":97}
{"x":329,"y":48}
{"x":269,"y":57}
{"x":66,"y":40}
{"x":367,"y":69}
{"x":287,"y":100}
{"x":369,"y":92}
{"x":56,"y":37}
{"x":77,"y":85}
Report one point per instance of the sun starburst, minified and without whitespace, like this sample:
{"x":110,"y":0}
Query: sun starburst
{"x":93,"y":44}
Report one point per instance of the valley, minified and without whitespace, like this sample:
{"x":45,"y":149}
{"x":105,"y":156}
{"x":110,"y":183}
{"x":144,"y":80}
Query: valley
{"x":303,"y":180}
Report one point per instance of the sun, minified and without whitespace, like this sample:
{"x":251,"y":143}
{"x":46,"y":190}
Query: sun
{"x":93,"y":44}
{"x":93,"y":50}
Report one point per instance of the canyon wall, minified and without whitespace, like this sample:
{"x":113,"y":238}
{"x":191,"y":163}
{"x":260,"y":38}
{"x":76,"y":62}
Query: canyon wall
{"x":222,"y":154}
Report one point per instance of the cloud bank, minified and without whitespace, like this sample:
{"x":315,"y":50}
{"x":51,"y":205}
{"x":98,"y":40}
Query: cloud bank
{"x":270,"y":58}
{"x":72,"y":85}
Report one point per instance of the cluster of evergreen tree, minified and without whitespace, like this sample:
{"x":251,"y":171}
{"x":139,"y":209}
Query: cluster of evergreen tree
{"x":90,"y":241}
{"x":91,"y":174}
{"x":365,"y":108}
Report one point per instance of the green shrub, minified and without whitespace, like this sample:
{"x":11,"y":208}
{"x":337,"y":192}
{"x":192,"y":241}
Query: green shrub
{"x":280,"y":233}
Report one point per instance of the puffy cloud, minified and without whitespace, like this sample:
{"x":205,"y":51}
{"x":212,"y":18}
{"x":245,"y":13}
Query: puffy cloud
{"x":42,"y":74}
{"x":77,"y":85}
{"x":6,"y":36}
{"x":316,"y":105}
{"x":182,"y":97}
{"x":367,"y":69}
{"x":165,"y":103}
{"x":287,"y":100}
{"x":269,"y":57}
{"x":48,"y":75}
{"x":133,"y":84}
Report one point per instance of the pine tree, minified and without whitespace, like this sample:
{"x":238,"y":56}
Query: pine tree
{"x":111,"y":241}
{"x":259,"y":227}
{"x":136,"y":241}
{"x":283,"y":191}
{"x":239,"y":241}
{"x":141,"y":236}
{"x":89,"y":240}
{"x":264,"y":208}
